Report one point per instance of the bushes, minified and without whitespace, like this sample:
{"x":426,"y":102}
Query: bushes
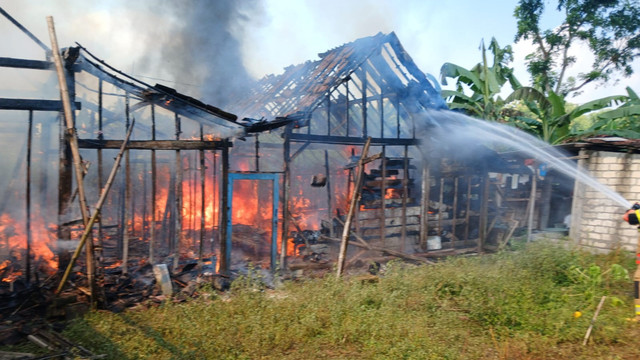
{"x":460,"y":308}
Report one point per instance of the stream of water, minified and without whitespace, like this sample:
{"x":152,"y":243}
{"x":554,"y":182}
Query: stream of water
{"x":461,"y":130}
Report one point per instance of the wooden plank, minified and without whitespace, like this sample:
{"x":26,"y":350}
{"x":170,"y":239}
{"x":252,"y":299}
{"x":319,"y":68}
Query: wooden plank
{"x":154,"y":144}
{"x":33,"y":104}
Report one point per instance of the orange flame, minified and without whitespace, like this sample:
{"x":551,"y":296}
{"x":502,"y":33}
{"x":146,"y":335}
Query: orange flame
{"x":13,"y":239}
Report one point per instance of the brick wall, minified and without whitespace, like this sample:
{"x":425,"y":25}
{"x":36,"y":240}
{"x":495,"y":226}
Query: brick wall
{"x":596,"y":220}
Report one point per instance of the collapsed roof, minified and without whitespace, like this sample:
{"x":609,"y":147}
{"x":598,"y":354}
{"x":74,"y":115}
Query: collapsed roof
{"x":298,"y":91}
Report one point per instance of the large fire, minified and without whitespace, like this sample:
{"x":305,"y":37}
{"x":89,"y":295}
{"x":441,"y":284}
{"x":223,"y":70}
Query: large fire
{"x":252,"y":207}
{"x":13,"y":245}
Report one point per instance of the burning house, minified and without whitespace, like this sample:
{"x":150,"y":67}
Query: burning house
{"x":271,"y":180}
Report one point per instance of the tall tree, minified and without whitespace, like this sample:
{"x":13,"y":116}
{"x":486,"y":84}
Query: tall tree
{"x":611,"y":28}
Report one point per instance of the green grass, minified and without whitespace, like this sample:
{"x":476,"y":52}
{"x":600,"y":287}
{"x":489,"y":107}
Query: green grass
{"x":511,"y":305}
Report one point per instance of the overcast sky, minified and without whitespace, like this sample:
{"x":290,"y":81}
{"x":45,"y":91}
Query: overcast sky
{"x":272,"y":34}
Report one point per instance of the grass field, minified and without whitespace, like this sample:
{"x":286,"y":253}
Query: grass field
{"x":522,"y":304}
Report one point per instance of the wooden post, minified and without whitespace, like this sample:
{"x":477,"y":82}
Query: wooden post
{"x":405,"y":196}
{"x":440,"y":205}
{"x":73,"y":140}
{"x":468,"y":209}
{"x":545,"y":201}
{"x":100,"y":248}
{"x":636,"y":281}
{"x":424,"y":204}
{"x":28,"y":199}
{"x":329,"y":202}
{"x":103,"y":197}
{"x":145,"y":210}
{"x":532,"y":204}
{"x":285,"y":198}
{"x":355,"y":197}
{"x":383,"y":193}
{"x":484,"y":214}
{"x":154,"y":174}
{"x":178,"y":200}
{"x":454,"y":211}
{"x":224,"y":208}
{"x":202,"y":203}
{"x":127,"y":198}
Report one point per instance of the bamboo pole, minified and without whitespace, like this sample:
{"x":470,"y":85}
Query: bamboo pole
{"x":73,"y":140}
{"x":593,"y":320}
{"x":101,"y":200}
{"x":355,"y":197}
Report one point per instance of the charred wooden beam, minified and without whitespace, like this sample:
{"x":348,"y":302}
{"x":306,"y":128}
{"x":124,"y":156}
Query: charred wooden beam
{"x":349,"y":140}
{"x":154,"y":144}
{"x":25,"y":63}
{"x":33,"y":104}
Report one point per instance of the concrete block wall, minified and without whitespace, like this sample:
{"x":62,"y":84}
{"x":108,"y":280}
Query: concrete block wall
{"x":596,"y":220}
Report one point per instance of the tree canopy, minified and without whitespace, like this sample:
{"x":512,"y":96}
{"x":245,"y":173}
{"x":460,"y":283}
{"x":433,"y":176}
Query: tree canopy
{"x":611,"y":29}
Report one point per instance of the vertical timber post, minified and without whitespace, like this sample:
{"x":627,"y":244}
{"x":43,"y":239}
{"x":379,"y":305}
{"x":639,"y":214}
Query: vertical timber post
{"x":152,"y":231}
{"x":405,"y":196}
{"x":383,"y":199}
{"x":636,"y":280}
{"x":224,"y":209}
{"x":127,"y":197}
{"x":329,"y":201}
{"x":532,"y":204}
{"x":285,"y":198}
{"x":484,"y":213}
{"x":202,"y":201}
{"x":424,"y":204}
{"x":100,"y":248}
{"x":178,"y":199}
{"x":28,"y":198}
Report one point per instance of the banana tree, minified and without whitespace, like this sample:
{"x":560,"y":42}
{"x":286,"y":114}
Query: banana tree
{"x":484,"y":81}
{"x":623,"y":121}
{"x":549,"y":117}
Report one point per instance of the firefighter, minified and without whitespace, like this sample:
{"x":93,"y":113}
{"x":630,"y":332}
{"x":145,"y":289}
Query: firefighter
{"x":632,"y":216}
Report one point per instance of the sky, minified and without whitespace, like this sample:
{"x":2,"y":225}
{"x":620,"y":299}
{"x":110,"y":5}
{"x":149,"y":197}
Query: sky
{"x":145,"y":38}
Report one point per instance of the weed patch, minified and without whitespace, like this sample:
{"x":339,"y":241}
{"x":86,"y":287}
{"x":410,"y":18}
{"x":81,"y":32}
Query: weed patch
{"x":507,"y":305}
